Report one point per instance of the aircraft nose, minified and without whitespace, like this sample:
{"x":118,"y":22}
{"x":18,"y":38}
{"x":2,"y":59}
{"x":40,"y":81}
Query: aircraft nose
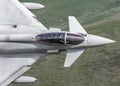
{"x":94,"y":40}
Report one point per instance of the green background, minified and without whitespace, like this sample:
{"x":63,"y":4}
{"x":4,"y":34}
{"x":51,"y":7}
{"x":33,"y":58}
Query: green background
{"x":97,"y":66}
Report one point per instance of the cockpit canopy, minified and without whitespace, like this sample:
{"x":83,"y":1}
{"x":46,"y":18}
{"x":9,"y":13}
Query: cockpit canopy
{"x":63,"y":38}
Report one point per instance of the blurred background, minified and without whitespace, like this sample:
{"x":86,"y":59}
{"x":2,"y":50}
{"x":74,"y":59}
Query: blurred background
{"x":97,"y":66}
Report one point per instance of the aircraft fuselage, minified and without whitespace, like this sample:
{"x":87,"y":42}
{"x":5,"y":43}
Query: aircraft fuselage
{"x":21,"y":40}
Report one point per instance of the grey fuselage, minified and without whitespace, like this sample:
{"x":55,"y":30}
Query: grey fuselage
{"x":32,"y":39}
{"x":9,"y":44}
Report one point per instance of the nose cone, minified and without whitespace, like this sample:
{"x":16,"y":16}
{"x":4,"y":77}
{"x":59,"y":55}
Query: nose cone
{"x":94,"y":40}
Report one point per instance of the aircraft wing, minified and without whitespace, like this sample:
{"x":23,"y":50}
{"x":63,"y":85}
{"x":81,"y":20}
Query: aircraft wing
{"x":14,"y":65}
{"x":13,"y":12}
{"x":75,"y":26}
{"x":72,"y":56}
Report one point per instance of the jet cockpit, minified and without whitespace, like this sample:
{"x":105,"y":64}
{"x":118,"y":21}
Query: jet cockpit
{"x":63,"y":38}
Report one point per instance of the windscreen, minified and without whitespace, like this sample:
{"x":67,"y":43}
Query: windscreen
{"x":74,"y":39}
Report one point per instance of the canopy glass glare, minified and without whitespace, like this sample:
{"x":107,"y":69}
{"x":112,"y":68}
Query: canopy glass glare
{"x":60,"y":38}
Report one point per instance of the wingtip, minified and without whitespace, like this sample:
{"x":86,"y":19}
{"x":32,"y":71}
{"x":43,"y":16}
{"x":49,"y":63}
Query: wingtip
{"x":66,"y":66}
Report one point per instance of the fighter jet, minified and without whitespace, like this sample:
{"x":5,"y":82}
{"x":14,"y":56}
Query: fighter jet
{"x":23,"y":40}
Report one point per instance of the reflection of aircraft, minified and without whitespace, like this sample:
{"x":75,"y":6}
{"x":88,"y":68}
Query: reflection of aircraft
{"x":23,"y":40}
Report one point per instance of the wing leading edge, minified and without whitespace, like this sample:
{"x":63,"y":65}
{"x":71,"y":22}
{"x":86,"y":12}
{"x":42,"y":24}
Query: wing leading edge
{"x":13,"y":12}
